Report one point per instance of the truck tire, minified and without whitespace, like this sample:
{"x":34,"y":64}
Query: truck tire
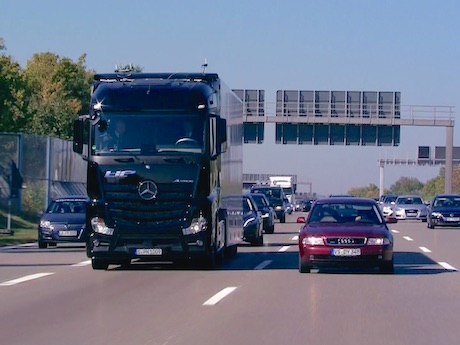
{"x":231,"y":251}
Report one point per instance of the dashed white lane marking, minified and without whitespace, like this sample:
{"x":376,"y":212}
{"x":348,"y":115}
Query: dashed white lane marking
{"x":407,"y":238}
{"x":283,"y":249}
{"x":395,"y":231}
{"x":263,"y":264}
{"x":83,"y":263}
{"x":425,"y":249}
{"x":295,"y":238}
{"x":25,"y":279}
{"x":447,"y":266}
{"x":220,"y":295}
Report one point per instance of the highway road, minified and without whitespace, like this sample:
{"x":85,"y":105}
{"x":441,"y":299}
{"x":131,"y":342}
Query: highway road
{"x":53,"y":297}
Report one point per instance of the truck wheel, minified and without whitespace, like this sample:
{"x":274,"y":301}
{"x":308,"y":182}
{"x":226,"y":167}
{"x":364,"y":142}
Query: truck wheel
{"x":99,"y":264}
{"x":230,"y":252}
{"x":42,"y":245}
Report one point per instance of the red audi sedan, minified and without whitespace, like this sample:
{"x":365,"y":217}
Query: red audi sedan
{"x":346,"y":231}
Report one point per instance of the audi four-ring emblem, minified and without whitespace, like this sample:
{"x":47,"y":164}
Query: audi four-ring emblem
{"x":147,"y":190}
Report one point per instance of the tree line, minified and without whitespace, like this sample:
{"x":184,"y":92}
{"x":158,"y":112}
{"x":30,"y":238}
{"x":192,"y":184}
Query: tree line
{"x":411,"y":185}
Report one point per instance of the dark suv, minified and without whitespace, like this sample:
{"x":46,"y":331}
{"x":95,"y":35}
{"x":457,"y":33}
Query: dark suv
{"x":276,"y":197}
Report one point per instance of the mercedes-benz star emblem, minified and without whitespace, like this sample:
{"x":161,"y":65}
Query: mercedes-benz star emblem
{"x":147,"y":190}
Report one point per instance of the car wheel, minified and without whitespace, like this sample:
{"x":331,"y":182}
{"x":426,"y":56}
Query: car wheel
{"x":430,"y":225}
{"x":303,"y":266}
{"x":99,"y":264}
{"x":387,"y":267}
{"x":270,"y":229}
{"x":283,"y":219}
{"x":42,"y":245}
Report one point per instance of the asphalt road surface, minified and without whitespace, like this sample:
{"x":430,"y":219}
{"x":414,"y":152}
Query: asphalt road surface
{"x":52,"y":296}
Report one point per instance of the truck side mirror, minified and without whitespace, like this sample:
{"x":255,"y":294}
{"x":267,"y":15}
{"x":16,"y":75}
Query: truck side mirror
{"x":221,"y":139}
{"x":78,"y":128}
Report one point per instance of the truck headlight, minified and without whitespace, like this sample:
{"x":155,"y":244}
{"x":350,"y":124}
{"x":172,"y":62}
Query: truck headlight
{"x":197,"y":225}
{"x":98,"y":225}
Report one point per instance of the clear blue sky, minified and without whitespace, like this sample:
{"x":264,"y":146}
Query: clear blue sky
{"x":411,"y":46}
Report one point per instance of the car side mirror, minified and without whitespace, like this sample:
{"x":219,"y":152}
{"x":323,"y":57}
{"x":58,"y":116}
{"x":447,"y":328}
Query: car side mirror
{"x":300,"y":219}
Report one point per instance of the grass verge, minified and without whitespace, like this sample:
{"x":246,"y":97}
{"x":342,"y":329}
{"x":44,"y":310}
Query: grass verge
{"x":24,"y":231}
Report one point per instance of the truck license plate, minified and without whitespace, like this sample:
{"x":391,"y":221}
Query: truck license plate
{"x":149,"y":251}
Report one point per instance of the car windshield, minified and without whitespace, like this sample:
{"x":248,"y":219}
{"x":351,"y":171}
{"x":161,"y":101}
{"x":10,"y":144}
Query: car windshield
{"x":147,"y":134}
{"x":345,"y":213}
{"x":447,"y":202}
{"x":269,"y":192}
{"x":409,"y":201}
{"x":67,"y":207}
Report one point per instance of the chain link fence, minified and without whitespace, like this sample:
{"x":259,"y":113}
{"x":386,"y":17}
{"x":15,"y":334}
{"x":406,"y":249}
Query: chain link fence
{"x":46,"y":167}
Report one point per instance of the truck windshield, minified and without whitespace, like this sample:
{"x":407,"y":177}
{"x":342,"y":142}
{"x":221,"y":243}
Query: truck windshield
{"x":147,"y":134}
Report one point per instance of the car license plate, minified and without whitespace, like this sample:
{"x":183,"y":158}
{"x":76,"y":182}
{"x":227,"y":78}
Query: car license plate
{"x":453,"y":219}
{"x":346,"y":252}
{"x":64,"y":233}
{"x":149,"y":251}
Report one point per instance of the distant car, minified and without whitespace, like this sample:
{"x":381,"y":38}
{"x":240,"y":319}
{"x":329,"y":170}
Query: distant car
{"x":268,"y":213}
{"x":345,"y":232}
{"x":386,"y":202}
{"x":410,"y":207}
{"x":252,"y":222}
{"x":444,"y":210}
{"x":63,"y":222}
{"x":276,"y":198}
{"x":289,"y":207}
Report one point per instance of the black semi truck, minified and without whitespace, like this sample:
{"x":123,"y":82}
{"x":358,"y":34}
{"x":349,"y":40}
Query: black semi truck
{"x":164,"y":153}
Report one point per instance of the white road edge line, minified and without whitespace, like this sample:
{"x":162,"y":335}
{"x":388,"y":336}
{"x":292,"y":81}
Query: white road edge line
{"x":83,"y":263}
{"x":263,"y":264}
{"x":407,"y":238}
{"x":25,"y":278}
{"x":283,"y":249}
{"x":425,"y":249}
{"x":220,"y":295}
{"x":447,"y":266}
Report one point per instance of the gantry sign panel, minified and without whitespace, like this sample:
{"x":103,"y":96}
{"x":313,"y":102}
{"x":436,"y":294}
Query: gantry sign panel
{"x":253,"y":105}
{"x":425,"y":155}
{"x":324,"y":117}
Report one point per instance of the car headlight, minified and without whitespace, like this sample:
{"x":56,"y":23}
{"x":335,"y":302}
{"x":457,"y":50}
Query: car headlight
{"x":436,"y":214}
{"x":398,"y":209}
{"x":99,"y":226}
{"x":45,"y":224}
{"x":278,"y":208}
{"x":387,"y":209}
{"x":312,"y":241}
{"x":379,"y":241}
{"x":197,"y":225}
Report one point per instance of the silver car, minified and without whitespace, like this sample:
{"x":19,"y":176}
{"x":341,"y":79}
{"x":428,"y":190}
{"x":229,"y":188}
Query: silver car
{"x":410,"y":207}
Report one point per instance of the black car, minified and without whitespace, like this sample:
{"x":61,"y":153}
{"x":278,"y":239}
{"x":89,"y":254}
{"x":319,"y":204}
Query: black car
{"x":444,"y":210}
{"x":63,"y":221}
{"x":268,"y":213}
{"x":252,"y":222}
{"x":276,"y":197}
